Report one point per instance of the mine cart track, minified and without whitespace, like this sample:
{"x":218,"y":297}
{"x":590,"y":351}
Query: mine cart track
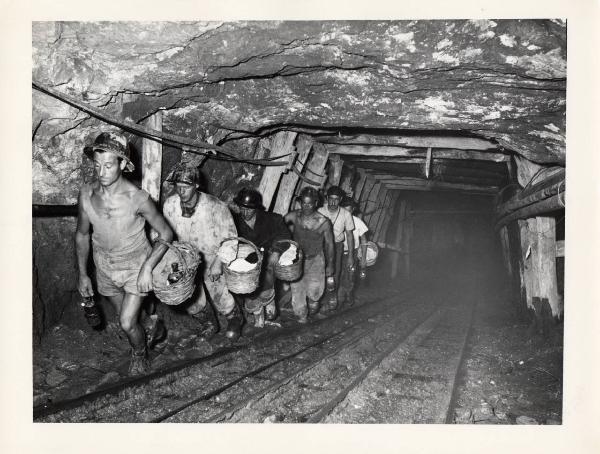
{"x":415,"y":382}
{"x":112,"y":395}
{"x":439,"y":338}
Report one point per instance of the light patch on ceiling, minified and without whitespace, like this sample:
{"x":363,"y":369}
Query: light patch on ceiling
{"x":438,"y":104}
{"x":552,"y":127}
{"x":406,"y":39}
{"x":483,"y":24}
{"x":327,"y":106}
{"x":547,"y":135}
{"x":443,"y":44}
{"x":533,"y":47}
{"x":471,"y":52}
{"x":492,"y":116}
{"x":512,"y":60}
{"x":168,"y":53}
{"x":508,"y":41}
{"x":445,"y":58}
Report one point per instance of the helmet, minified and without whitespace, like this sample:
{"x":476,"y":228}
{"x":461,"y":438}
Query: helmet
{"x":336,"y":190}
{"x":184,"y":173}
{"x":248,"y":198}
{"x":113,"y":143}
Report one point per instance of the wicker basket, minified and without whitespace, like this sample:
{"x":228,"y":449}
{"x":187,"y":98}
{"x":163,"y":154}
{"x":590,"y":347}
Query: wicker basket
{"x":290,"y":273}
{"x":243,"y":282}
{"x":374,"y":248}
{"x":177,"y":292}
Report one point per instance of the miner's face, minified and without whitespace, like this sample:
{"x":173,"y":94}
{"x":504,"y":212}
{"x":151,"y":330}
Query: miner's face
{"x":248,"y":213}
{"x":333,"y":201}
{"x":186,"y":191}
{"x":308,"y":205}
{"x":108,"y":167}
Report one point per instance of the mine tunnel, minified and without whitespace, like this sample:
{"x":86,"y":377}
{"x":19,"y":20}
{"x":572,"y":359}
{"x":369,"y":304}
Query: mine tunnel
{"x":448,"y":137}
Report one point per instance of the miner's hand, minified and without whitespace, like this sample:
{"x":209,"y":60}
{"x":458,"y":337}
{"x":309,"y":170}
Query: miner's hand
{"x":216,"y":269}
{"x":144,"y":280}
{"x":85,"y":286}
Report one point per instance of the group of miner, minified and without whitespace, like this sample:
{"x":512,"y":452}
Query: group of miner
{"x":114,"y":212}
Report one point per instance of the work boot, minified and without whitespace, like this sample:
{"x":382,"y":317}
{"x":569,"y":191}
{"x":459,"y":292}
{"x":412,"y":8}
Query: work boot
{"x":139,"y":364}
{"x":234,"y":324}
{"x":313,"y":307}
{"x":207,"y":321}
{"x":156,"y":332}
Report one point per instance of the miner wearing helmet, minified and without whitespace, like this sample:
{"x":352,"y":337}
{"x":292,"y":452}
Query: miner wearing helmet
{"x":114,"y":212}
{"x":313,"y":232}
{"x":264,"y":229}
{"x":204,"y":221}
{"x":343,"y":225}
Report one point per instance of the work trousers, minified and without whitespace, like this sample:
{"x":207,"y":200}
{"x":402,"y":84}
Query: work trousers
{"x":311,"y":285}
{"x":347,"y":280}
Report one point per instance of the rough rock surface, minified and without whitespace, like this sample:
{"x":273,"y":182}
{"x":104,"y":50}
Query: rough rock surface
{"x":501,"y":79}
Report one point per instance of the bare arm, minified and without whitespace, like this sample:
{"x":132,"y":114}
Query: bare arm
{"x":329,"y":248}
{"x":350,"y":240}
{"x":82,"y":248}
{"x":290,"y":219}
{"x":159,"y":224}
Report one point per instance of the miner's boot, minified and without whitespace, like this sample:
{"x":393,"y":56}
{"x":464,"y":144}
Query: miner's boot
{"x":156,"y":332}
{"x":207,"y":321}
{"x":139,"y":364}
{"x":234,"y":324}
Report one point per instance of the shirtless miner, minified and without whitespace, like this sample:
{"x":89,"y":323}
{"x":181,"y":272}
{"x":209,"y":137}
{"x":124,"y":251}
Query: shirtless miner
{"x":314,"y":233}
{"x":115,"y":212}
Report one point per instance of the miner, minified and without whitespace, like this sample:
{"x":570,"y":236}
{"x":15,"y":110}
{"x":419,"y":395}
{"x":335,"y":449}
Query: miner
{"x":343,"y":225}
{"x":348,"y":274}
{"x":204,"y":221}
{"x":116,"y":211}
{"x":313,"y":232}
{"x":265,"y":230}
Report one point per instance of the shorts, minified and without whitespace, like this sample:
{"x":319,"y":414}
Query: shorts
{"x":118,"y":273}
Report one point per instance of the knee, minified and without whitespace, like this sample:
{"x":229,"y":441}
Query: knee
{"x":127,"y":323}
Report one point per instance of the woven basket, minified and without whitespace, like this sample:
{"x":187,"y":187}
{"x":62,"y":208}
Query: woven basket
{"x":290,"y":273}
{"x":176,"y":293}
{"x":243,"y":282}
{"x":374,"y":248}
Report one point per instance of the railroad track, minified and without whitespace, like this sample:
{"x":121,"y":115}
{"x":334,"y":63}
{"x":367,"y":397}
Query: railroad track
{"x":402,"y":361}
{"x":101,"y":405}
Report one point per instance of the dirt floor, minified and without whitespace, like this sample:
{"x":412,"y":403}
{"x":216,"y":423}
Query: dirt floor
{"x":511,"y":375}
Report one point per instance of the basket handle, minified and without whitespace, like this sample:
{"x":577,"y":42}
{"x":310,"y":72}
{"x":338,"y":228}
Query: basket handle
{"x":244,"y":240}
{"x":177,"y":251}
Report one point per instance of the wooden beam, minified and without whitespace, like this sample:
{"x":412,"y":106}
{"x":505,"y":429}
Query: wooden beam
{"x":281,"y":143}
{"x":460,"y":143}
{"x":360,"y":184}
{"x":389,"y":214}
{"x":428,"y":163}
{"x":364,"y":196}
{"x":415,"y":184}
{"x":552,"y":203}
{"x":546,"y":263}
{"x":560,"y":248}
{"x":373,"y":204}
{"x":346,"y":180}
{"x":335,"y":170}
{"x":289,"y":181}
{"x":316,"y":166}
{"x":395,"y":152}
{"x":152,"y":159}
{"x":381,"y":207}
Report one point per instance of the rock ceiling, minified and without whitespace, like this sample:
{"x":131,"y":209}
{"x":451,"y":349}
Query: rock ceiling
{"x":502,"y":80}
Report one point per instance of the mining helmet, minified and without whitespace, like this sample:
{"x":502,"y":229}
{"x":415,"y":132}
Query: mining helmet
{"x":336,"y":191}
{"x":184,"y":173}
{"x":248,"y":198}
{"x":111,"y":142}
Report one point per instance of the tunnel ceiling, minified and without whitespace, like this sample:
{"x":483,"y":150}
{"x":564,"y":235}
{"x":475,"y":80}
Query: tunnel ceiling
{"x":362,"y":83}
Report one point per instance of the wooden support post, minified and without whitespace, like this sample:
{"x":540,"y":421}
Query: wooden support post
{"x":388,"y":215}
{"x":538,"y":255}
{"x":290,"y":179}
{"x":316,"y":165}
{"x":385,"y":213}
{"x":364,"y":194}
{"x":282,"y":143}
{"x":346,"y":181}
{"x":360,"y":184}
{"x":335,"y":170}
{"x":381,"y":207}
{"x":506,"y":250}
{"x":152,"y":159}
{"x":399,"y":237}
{"x":373,"y":204}
{"x":428,"y":163}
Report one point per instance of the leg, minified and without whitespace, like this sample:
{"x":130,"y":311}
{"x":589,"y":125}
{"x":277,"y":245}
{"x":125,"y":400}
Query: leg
{"x":226,"y":305}
{"x":299,"y":299}
{"x":315,"y":278}
{"x":128,"y":318}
